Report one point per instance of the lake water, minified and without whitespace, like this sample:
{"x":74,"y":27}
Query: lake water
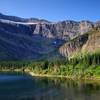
{"x":17,"y":86}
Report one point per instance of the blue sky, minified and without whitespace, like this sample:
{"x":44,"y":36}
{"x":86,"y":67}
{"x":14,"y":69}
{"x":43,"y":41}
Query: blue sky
{"x":53,"y":10}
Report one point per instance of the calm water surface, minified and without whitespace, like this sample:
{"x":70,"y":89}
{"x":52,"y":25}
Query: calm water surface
{"x":17,"y":86}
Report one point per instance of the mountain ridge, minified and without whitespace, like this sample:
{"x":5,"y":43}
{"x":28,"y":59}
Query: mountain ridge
{"x":62,"y":29}
{"x":39,"y":39}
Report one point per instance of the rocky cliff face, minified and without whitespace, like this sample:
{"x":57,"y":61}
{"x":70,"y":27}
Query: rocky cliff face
{"x":86,"y":43}
{"x":36,"y":39}
{"x":63,"y":30}
{"x":73,"y":46}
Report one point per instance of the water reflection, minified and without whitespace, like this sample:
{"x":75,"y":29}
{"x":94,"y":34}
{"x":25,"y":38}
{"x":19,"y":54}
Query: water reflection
{"x":25,"y":87}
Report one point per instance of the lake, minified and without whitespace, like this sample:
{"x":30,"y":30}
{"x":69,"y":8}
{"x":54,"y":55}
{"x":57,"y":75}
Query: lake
{"x":21,"y":86}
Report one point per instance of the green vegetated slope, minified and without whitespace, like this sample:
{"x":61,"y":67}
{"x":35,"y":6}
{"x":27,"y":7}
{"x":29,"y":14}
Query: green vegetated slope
{"x":84,"y":53}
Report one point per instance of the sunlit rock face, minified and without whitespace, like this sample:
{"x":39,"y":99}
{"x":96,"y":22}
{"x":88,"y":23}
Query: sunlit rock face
{"x":75,"y":45}
{"x":86,"y":43}
{"x":63,"y":30}
{"x":85,"y":26}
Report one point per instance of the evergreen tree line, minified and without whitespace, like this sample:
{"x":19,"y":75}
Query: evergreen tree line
{"x":84,"y":64}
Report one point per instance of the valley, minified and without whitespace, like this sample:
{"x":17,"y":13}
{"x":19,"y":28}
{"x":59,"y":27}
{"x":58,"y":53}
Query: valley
{"x":67,"y":48}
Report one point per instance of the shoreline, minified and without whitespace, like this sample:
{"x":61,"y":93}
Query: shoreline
{"x":47,"y":75}
{"x":93,"y":78}
{"x":62,"y":76}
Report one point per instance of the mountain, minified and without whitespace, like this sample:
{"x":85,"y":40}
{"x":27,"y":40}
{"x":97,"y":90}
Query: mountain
{"x":17,"y":42}
{"x":32,"y":38}
{"x":62,"y":30}
{"x":20,"y":43}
